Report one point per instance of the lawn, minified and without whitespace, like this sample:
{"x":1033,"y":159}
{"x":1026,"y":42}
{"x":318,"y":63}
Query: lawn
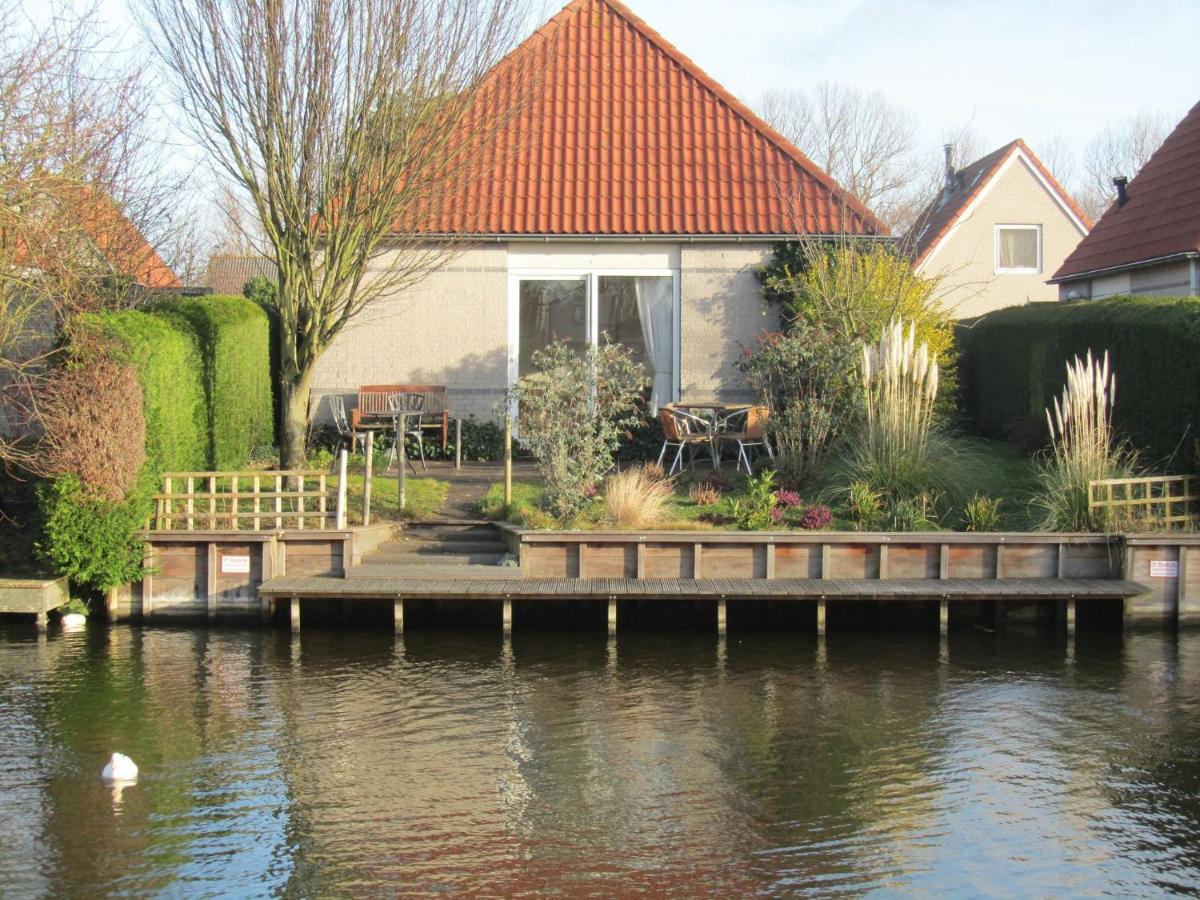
{"x":990,"y":468}
{"x":424,"y":497}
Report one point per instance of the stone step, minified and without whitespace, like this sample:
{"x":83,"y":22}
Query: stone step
{"x":451,"y":531}
{"x":372,"y":570}
{"x":435,"y":547}
{"x":434,"y":559}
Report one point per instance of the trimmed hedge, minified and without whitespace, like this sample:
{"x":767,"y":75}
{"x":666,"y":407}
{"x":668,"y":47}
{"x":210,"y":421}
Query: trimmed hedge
{"x":1014,"y":362}
{"x":234,"y":336}
{"x":166,"y":353}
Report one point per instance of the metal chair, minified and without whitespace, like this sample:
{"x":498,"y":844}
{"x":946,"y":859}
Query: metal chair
{"x":682,"y":429}
{"x":746,"y":428}
{"x":337,"y":405}
{"x":406,"y":416}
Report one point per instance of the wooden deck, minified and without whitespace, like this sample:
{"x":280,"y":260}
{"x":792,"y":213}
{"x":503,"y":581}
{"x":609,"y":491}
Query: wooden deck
{"x":548,"y":589}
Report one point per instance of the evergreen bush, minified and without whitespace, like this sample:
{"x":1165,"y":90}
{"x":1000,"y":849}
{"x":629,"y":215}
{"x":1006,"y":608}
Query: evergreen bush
{"x":1013,"y":360}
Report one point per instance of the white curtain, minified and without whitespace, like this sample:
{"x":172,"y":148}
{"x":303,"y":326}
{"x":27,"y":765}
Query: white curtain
{"x":656,"y":313}
{"x":1018,"y":248}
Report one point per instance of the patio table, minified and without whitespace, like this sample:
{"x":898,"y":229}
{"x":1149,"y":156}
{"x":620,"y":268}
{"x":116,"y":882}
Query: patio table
{"x":713,"y":412}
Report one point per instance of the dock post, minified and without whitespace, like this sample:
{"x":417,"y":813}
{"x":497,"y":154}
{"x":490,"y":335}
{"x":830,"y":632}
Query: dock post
{"x":368,"y":473}
{"x":43,"y":621}
{"x":721,"y":620}
{"x":612,"y":616}
{"x":507,"y":617}
{"x":508,"y":460}
{"x":457,"y":444}
{"x":821,"y":617}
{"x":944,"y":616}
{"x":398,"y":615}
{"x":294,"y":615}
{"x":1071,"y":617}
{"x":341,"y":494}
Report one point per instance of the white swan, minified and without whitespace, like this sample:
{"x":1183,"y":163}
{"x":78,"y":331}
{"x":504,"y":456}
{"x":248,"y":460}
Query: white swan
{"x":120,"y":768}
{"x":73,"y":620}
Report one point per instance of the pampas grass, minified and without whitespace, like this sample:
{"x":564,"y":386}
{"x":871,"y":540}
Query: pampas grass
{"x":637,"y":497}
{"x":1082,"y":446}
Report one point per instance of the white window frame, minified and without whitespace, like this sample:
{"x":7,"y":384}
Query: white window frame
{"x":1001,"y":270}
{"x":591,"y":276}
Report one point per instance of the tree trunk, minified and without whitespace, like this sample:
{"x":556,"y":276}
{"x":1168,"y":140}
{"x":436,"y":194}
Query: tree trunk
{"x":294,"y":397}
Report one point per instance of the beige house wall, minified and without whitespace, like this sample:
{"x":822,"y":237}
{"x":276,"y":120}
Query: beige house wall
{"x":966,"y":258}
{"x":453,"y":328}
{"x":721,"y":311}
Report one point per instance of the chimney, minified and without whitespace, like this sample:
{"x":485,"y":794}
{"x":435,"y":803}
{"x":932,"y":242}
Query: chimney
{"x":1121,"y":183}
{"x":951,"y":181}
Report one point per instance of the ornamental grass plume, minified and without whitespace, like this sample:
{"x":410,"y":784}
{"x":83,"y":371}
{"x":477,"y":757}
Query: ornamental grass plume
{"x":1082,"y":446}
{"x":637,"y":497}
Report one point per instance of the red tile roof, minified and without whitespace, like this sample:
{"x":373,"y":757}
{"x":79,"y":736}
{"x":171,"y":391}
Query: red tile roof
{"x":1161,"y":217}
{"x":940,"y":217}
{"x":621,"y":134}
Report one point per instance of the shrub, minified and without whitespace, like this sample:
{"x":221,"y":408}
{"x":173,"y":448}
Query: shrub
{"x":758,"y":508}
{"x":90,"y":539}
{"x":166,"y":355}
{"x":1082,"y":447}
{"x":816,"y":517}
{"x":1013,"y":358}
{"x":806,"y":377}
{"x":573,"y":414}
{"x":704,"y":493}
{"x":91,"y":413}
{"x":914,"y":513}
{"x":788,"y":498}
{"x":981,"y":513}
{"x":234,"y":339}
{"x":637,"y":497}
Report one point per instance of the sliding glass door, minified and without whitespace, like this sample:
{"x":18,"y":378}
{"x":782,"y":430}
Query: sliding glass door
{"x":592,"y":308}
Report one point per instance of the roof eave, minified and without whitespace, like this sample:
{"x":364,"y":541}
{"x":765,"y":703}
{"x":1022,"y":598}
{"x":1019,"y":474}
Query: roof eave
{"x":1125,"y":267}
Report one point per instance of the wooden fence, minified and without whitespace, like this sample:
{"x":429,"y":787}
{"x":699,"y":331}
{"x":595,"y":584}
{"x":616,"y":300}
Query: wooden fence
{"x":248,"y":501}
{"x":1164,"y":499}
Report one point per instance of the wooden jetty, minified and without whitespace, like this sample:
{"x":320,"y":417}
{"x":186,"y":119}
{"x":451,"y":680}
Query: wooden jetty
{"x":33,"y":596}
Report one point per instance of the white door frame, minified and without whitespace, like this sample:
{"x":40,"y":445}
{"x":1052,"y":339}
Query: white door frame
{"x":591,"y":277}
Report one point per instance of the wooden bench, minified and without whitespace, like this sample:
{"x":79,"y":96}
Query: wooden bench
{"x":373,"y":404}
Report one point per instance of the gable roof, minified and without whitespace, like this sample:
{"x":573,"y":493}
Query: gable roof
{"x":940,"y":218}
{"x":622,"y":134}
{"x":1161,"y":217}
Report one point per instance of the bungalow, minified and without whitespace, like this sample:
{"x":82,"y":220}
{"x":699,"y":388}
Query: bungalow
{"x":641,"y":200}
{"x":1148,"y":241}
{"x":997,"y":226}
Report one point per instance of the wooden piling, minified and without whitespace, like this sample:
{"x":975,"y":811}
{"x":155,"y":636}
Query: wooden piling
{"x":294,"y":615}
{"x":398,"y":615}
{"x":1071,"y":617}
{"x":612,"y":616}
{"x":944,"y":616}
{"x":506,"y":615}
{"x":721,"y":617}
{"x":821,"y":617}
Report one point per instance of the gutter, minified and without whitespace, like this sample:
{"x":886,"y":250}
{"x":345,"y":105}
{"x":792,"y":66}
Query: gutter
{"x":1126,"y":267}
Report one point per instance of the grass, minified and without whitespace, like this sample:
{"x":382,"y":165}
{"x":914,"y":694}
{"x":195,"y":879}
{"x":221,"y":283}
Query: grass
{"x":424,"y":497}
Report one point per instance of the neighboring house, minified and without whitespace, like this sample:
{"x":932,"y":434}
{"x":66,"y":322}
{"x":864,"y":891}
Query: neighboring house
{"x":639,"y":203}
{"x":998,"y":226}
{"x":1148,"y":241}
{"x":228,"y":274}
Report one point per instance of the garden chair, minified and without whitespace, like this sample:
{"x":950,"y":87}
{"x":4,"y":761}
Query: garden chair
{"x":682,"y":429}
{"x":346,"y":434}
{"x":406,"y":415}
{"x":747,"y":428}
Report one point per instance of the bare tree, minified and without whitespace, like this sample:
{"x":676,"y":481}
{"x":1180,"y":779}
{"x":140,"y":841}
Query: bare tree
{"x":864,"y":140}
{"x":342,"y":122}
{"x":84,"y":192}
{"x":1122,"y":148}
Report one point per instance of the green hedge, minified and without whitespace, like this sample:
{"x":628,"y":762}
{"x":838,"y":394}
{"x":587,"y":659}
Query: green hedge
{"x":234,"y":336}
{"x":1014,"y":362}
{"x":166,"y":353}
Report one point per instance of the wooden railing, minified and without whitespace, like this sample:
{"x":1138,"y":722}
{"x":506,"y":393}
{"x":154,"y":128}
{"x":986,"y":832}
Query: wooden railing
{"x":1162,"y":499}
{"x":248,"y":501}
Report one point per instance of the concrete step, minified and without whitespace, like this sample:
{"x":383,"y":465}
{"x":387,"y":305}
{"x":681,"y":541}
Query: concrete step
{"x":453,"y":531}
{"x":372,"y":570}
{"x":433,"y":559}
{"x":435,"y":547}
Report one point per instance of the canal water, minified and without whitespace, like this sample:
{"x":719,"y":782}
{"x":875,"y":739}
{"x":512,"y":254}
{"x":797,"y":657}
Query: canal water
{"x":350,"y":764}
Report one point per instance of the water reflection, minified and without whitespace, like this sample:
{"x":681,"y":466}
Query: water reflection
{"x":350,"y":763}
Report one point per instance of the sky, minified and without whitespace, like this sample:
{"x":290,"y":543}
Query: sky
{"x":1044,"y":70}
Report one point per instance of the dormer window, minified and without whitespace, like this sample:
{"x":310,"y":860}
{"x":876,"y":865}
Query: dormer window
{"x":1018,"y":249}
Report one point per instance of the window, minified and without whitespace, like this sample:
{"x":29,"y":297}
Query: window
{"x":1018,"y":249}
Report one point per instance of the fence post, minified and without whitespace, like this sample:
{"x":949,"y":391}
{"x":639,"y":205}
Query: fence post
{"x":341,"y":495}
{"x":507,"y":460}
{"x":368,"y":470}
{"x":458,"y":443}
